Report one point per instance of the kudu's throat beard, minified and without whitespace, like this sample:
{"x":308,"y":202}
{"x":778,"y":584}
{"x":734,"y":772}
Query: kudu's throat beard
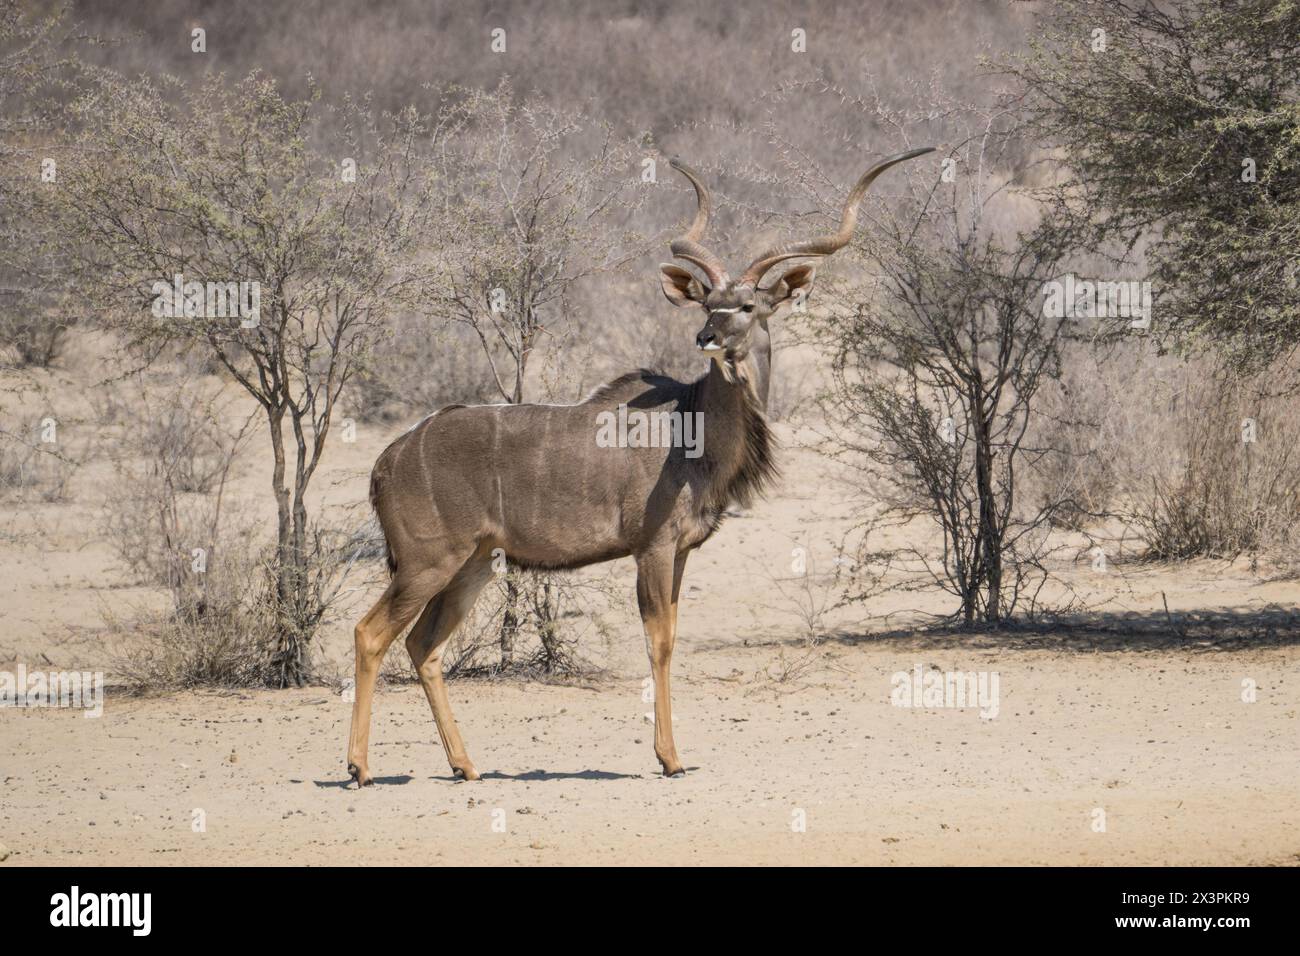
{"x":742,"y":374}
{"x":745,"y":368}
{"x":728,"y":366}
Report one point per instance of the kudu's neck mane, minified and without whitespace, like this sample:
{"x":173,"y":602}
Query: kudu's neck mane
{"x":738,"y":448}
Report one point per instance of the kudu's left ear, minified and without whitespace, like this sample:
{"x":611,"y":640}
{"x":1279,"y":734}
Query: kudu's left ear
{"x":680,"y":286}
{"x":795,"y":284}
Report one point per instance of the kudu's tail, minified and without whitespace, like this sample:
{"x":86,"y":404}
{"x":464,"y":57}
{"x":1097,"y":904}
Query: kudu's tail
{"x":374,"y":505}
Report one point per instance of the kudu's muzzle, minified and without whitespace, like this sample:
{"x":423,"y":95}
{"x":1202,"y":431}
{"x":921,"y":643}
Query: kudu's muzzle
{"x":707,"y":340}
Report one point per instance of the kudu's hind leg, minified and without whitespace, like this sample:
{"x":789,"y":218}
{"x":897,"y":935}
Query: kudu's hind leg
{"x":427,"y":642}
{"x":405,"y":596}
{"x":658,"y":584}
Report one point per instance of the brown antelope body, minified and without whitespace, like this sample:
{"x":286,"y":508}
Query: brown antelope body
{"x":534,"y":483}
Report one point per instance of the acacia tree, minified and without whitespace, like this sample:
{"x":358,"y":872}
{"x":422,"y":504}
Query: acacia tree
{"x":1179,"y":123}
{"x":537,"y":198}
{"x":234,"y":184}
{"x":39,"y":70}
{"x":937,"y":361}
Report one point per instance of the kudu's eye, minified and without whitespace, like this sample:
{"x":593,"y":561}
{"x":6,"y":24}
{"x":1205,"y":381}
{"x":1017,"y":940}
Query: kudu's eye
{"x":746,"y":308}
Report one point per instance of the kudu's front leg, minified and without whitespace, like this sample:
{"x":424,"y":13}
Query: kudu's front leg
{"x":658,"y":584}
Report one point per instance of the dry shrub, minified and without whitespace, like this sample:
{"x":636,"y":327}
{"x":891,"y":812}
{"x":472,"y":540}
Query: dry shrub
{"x":1233,"y":485}
{"x":167,"y":518}
{"x":215,"y":630}
{"x":221,"y":629}
{"x":178,"y":457}
{"x":34,"y":340}
{"x":807,"y":594}
{"x":417,"y":370}
{"x":191,"y":444}
{"x":34,"y":470}
{"x":555,"y":613}
{"x":1164,"y":444}
{"x":213,"y":636}
{"x":1078,"y":425}
{"x":793,"y":669}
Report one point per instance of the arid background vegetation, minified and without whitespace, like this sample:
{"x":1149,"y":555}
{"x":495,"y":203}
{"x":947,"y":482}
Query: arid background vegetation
{"x":1106,"y":513}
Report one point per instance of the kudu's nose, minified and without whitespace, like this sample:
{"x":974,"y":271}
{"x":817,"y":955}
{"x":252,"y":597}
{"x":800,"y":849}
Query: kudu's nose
{"x":705,"y":339}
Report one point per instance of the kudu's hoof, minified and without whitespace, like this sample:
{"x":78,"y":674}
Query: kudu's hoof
{"x":465,"y":773}
{"x":674,"y":773}
{"x":360,"y":778}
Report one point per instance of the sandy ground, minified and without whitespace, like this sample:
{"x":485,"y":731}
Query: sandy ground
{"x":795,"y":755}
{"x":1185,"y":772}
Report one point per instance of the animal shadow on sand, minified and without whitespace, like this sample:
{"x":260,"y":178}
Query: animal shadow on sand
{"x":396,"y":780}
{"x":526,"y":776}
{"x":542,"y":775}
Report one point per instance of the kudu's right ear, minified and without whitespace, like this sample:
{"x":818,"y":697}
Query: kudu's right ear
{"x":680,"y":286}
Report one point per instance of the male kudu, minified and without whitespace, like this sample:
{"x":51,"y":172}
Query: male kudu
{"x":533,"y":481}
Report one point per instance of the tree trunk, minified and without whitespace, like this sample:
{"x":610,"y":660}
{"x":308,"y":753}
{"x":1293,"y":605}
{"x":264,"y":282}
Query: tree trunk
{"x":548,"y":628}
{"x":288,"y":657}
{"x":991,"y":558}
{"x":510,"y":618}
{"x":510,"y":622}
